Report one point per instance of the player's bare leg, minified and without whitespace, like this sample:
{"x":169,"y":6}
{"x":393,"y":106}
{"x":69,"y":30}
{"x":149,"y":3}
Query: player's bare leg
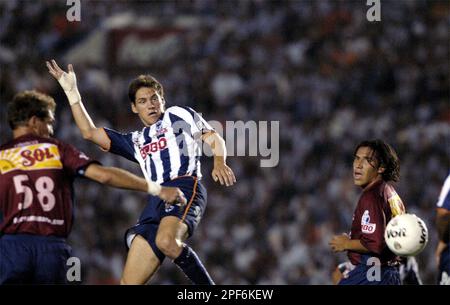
{"x":141,"y":263}
{"x":170,"y":240}
{"x":171,"y":235}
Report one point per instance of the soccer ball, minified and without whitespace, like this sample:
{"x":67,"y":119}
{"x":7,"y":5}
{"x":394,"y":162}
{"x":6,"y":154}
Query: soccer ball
{"x":406,"y":235}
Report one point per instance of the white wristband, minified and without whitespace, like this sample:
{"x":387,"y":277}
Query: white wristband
{"x":73,"y":96}
{"x":153,"y":188}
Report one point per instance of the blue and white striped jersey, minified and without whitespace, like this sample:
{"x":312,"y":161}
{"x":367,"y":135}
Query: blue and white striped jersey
{"x":444,"y":197}
{"x":168,"y":149}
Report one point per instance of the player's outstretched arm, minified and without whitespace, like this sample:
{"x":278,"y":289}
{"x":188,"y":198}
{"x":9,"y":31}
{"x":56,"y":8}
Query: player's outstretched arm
{"x":68,"y":82}
{"x":221,"y":172}
{"x":120,"y":178}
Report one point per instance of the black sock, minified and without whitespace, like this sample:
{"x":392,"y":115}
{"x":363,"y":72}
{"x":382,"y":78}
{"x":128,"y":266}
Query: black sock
{"x":191,"y":265}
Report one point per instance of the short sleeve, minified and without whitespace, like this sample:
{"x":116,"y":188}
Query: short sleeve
{"x":75,"y":161}
{"x":121,"y":144}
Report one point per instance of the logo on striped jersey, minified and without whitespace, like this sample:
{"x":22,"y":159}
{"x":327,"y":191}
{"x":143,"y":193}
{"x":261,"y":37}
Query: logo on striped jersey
{"x":153,"y":147}
{"x":30,"y":157}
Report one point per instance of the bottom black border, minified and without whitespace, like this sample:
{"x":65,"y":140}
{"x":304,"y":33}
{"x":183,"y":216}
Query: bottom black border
{"x":221,"y":294}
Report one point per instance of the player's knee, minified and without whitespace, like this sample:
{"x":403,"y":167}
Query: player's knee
{"x":167,"y":245}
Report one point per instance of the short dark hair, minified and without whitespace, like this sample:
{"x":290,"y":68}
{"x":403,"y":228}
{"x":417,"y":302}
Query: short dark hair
{"x":27,"y":104}
{"x":144,"y":81}
{"x":386,"y":157}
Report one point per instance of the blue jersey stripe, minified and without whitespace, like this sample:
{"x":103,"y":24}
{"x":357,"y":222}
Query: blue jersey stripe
{"x":195,"y":115}
{"x":197,"y":118}
{"x":165,"y":157}
{"x":184,"y":159}
{"x":188,"y":109}
{"x":146,"y":136}
{"x":181,"y":141}
{"x":197,"y":160}
{"x":148,"y":139}
{"x":153,"y":170}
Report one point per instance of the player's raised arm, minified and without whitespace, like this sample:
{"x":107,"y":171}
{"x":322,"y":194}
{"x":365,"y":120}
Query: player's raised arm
{"x":120,"y":178}
{"x":68,"y":82}
{"x":221,"y":172}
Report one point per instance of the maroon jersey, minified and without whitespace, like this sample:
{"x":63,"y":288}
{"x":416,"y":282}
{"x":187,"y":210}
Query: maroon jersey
{"x":36,"y":176}
{"x":376,"y":206}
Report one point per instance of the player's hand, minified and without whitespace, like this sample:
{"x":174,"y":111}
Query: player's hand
{"x":339,"y":242}
{"x":68,"y":81}
{"x":172,"y":195}
{"x":223,"y":174}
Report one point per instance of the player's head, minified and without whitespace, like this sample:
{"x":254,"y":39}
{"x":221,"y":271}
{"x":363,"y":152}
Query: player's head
{"x":374,"y":159}
{"x":146,"y":95}
{"x":32,"y":111}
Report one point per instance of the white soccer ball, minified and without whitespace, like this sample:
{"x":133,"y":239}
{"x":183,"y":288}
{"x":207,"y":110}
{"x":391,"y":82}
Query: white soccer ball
{"x":406,"y":235}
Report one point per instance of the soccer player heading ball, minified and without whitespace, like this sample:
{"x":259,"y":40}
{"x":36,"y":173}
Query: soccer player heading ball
{"x":375,"y":164}
{"x":167,"y":150}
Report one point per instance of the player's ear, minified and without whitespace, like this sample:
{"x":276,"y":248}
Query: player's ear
{"x":33,"y":121}
{"x":133,"y":108}
{"x":33,"y":124}
{"x":381,"y":169}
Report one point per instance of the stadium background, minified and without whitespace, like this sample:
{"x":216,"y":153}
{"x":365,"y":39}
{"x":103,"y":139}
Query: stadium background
{"x":319,"y":67}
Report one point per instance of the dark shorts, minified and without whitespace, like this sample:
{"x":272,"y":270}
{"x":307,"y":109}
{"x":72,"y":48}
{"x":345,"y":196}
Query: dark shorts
{"x":444,"y":267}
{"x":157,"y":209}
{"x":389,"y":275}
{"x":33,"y":259}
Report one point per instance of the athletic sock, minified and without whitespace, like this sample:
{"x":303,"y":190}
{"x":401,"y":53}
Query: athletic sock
{"x":191,"y":265}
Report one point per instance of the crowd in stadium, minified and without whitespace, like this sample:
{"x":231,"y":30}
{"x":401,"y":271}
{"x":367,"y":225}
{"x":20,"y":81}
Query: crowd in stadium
{"x":331,"y":79}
